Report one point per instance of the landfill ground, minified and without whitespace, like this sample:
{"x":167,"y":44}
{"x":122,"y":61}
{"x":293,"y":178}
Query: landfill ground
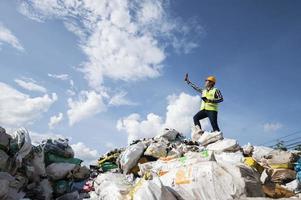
{"x":168,"y":166}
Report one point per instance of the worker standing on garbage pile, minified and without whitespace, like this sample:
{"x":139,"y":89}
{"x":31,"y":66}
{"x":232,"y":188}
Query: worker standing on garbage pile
{"x":211,"y":97}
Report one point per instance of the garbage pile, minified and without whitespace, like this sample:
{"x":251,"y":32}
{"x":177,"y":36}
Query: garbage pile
{"x":210,"y":167}
{"x":166,"y":167}
{"x":44,"y":172}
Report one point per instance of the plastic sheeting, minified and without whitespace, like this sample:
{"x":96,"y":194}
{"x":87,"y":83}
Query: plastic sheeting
{"x":161,"y":167}
{"x":169,"y":134}
{"x":224,"y":145}
{"x":57,"y":171}
{"x":260,"y":151}
{"x":207,"y":180}
{"x":111,"y":186}
{"x":130,"y":157}
{"x":277,"y":157}
{"x":156,"y":150}
{"x":151,"y":190}
{"x":208,"y":138}
{"x":22,"y":139}
{"x":229,"y":157}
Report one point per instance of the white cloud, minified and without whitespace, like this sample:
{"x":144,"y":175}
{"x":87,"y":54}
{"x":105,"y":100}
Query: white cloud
{"x":137,"y":128}
{"x":54,"y":120}
{"x":122,"y":39}
{"x":120,"y":99}
{"x":88,"y":104}
{"x":180,"y":111}
{"x":19,"y":109}
{"x":81,"y":151}
{"x":62,"y":77}
{"x":272,"y":127}
{"x":6,"y":36}
{"x":179,"y":115}
{"x":30,"y":85}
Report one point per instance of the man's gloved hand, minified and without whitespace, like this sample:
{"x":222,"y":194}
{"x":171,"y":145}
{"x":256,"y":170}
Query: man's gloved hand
{"x":186,"y":78}
{"x":205,"y":99}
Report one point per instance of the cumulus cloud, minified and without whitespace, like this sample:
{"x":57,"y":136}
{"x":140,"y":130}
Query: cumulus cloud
{"x":88,"y":104}
{"x":180,"y":111}
{"x":6,"y":36}
{"x":55,"y":120}
{"x":119,"y":37}
{"x":85,"y":153}
{"x":179,"y":114}
{"x":272,"y":127}
{"x":18,"y":109}
{"x":137,"y":128}
{"x":30,"y":85}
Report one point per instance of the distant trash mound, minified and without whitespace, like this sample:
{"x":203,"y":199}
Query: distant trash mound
{"x":44,"y":172}
{"x":166,"y":167}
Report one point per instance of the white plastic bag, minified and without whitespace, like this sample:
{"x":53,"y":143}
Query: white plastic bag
{"x":156,"y":150}
{"x":46,"y":189}
{"x":229,"y":157}
{"x":196,"y":133}
{"x":260,"y":151}
{"x":4,"y":187}
{"x":224,"y":145}
{"x":38,"y":162}
{"x":169,"y":134}
{"x":163,"y":166}
{"x":204,"y":180}
{"x":13,"y":192}
{"x":248,"y":149}
{"x":112,"y":186}
{"x":212,"y":181}
{"x":276,"y":157}
{"x":152,"y":190}
{"x":21,"y":136}
{"x":208,"y":138}
{"x":57,"y":171}
{"x":130,"y":157}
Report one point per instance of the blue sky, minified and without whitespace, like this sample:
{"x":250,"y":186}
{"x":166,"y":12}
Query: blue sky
{"x":111,"y":65}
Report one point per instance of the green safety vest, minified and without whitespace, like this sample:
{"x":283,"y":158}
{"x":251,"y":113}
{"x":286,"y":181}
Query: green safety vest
{"x":209,"y":95}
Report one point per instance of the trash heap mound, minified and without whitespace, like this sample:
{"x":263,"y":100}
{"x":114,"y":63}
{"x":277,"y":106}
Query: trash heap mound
{"x":166,"y":167}
{"x":170,"y":167}
{"x":43,"y":172}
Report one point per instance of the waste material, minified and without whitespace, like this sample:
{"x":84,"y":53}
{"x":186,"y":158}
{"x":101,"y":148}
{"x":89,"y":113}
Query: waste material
{"x":228,"y":145}
{"x":43,"y":172}
{"x":208,"y":138}
{"x":168,"y":166}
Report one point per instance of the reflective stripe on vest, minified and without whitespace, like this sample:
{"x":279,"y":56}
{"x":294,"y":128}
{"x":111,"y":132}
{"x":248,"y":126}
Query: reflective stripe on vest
{"x":209,"y":95}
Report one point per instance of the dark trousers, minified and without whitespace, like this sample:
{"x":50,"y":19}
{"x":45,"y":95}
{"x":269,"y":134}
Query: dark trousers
{"x":212,"y":115}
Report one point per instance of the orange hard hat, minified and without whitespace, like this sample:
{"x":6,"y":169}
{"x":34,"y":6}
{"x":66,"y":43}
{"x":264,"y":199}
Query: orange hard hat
{"x":211,"y":78}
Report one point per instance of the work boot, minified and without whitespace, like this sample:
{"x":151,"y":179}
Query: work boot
{"x":196,"y":133}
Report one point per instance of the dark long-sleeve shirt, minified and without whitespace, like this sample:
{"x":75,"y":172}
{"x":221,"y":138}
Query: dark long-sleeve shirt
{"x":218,"y":97}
